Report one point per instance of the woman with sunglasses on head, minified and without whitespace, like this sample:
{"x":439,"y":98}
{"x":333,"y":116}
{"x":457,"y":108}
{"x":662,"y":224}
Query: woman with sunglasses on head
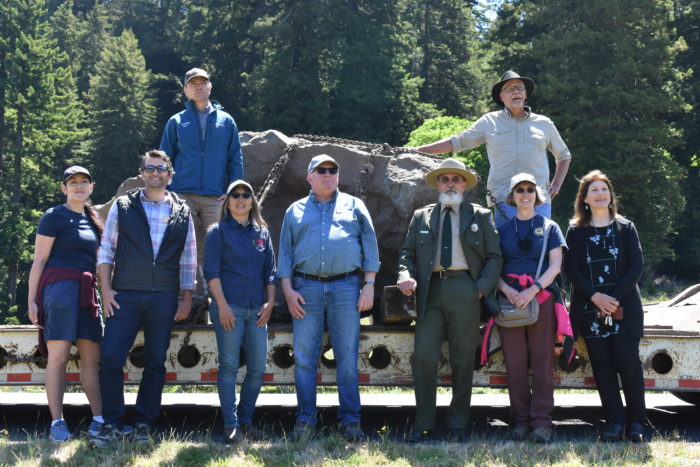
{"x":239,"y":265}
{"x":604,"y":264}
{"x":522,"y":240}
{"x":62,"y":298}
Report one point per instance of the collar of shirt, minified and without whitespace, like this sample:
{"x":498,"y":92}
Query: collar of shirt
{"x":527,"y":112}
{"x":312,"y":196}
{"x":206,"y":110}
{"x":167,"y":199}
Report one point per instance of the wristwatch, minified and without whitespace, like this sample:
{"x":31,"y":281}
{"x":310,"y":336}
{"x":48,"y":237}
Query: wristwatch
{"x":368,"y":283}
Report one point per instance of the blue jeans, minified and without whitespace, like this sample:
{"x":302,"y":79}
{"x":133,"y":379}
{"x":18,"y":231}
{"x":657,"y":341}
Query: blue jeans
{"x":253,"y":340}
{"x":333,"y":303}
{"x":544,"y":209}
{"x":154,"y":311}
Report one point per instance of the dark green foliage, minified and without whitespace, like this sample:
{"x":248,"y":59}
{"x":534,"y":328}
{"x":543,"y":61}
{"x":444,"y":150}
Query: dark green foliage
{"x":604,"y":73}
{"x":121,"y":114}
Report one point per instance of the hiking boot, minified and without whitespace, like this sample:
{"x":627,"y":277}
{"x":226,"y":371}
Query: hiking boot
{"x":142,"y":434}
{"x":302,"y":431}
{"x":635,"y":433}
{"x":352,"y":431}
{"x":59,"y":432}
{"x":249,"y":432}
{"x":108,"y":435}
{"x":232,"y":435}
{"x":94,"y":428}
{"x":613,"y":432}
{"x":518,"y":433}
{"x":541,"y":434}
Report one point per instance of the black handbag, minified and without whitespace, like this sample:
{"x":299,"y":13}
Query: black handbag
{"x":509,"y":315}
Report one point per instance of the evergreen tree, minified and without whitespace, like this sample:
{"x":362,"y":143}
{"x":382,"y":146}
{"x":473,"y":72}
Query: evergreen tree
{"x":687,"y":241}
{"x":40,"y":116}
{"x":121,"y":114}
{"x":604,"y":74}
{"x":449,"y":56}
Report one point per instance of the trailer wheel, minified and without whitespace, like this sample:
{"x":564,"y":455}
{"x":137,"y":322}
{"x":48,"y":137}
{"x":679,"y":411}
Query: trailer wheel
{"x":689,"y":397}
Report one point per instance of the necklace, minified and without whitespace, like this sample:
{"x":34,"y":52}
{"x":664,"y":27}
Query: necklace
{"x":525,"y":243}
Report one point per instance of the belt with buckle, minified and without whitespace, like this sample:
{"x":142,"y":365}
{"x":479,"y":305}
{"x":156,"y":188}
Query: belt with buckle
{"x":450,"y":273}
{"x":326,"y":278}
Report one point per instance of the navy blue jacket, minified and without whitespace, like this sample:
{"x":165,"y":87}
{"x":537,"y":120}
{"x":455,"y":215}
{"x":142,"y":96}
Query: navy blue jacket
{"x":204,"y":167}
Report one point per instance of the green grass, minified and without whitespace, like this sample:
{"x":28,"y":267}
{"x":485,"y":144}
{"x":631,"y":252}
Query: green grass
{"x":334,"y":451}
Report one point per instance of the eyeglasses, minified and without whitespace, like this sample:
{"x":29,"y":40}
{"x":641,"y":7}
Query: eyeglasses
{"x":455,"y":179}
{"x":513,"y":89}
{"x":149,"y":169}
{"x":529,"y":189}
{"x":245,"y":195}
{"x":330,"y":170}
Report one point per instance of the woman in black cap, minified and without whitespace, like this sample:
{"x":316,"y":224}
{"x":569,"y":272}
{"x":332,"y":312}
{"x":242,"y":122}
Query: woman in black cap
{"x":239,"y":265}
{"x":62,"y":298}
{"x":604,"y":264}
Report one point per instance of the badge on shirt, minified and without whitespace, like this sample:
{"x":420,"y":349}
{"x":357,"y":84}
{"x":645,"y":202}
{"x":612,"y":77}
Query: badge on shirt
{"x":165,"y":219}
{"x":475,"y":228}
{"x":539,"y":231}
{"x":260,"y":244}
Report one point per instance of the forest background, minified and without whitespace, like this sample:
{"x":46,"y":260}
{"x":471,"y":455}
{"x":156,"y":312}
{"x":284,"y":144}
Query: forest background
{"x":93,"y":83}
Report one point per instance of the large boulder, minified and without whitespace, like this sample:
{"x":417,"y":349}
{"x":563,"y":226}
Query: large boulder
{"x":394,"y":189}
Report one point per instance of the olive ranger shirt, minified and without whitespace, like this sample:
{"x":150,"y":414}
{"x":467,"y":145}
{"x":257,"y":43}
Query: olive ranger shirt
{"x":514,"y":146}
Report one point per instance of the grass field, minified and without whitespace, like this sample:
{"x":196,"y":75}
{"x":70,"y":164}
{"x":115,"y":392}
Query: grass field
{"x":334,"y":451}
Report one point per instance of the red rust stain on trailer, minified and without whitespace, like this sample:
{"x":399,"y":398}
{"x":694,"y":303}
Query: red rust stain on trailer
{"x":72,"y":376}
{"x":498,"y":380}
{"x":363,"y":378}
{"x":19,"y":377}
{"x":589,"y":381}
{"x":649,"y":382}
{"x":211,"y":375}
{"x":170,"y":376}
{"x":689,"y":383}
{"x":268,"y":377}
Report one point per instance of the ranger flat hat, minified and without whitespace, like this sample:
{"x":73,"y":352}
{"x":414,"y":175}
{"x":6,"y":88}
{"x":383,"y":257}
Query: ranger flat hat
{"x":195,"y":72}
{"x":75,"y":170}
{"x":507,"y":76}
{"x":452,"y":166}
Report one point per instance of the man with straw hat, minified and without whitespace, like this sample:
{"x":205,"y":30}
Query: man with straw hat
{"x":451,"y":257}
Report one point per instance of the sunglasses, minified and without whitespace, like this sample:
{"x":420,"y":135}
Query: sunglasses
{"x":245,"y":195}
{"x":454,"y":179}
{"x":149,"y":169}
{"x":330,"y":170}
{"x":523,"y":190}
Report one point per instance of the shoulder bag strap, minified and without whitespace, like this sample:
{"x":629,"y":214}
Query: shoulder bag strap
{"x":544,"y":248}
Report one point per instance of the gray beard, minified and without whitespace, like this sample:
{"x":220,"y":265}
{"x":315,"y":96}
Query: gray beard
{"x":450,"y":198}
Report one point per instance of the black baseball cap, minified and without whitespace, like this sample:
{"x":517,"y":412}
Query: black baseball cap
{"x":75,"y":170}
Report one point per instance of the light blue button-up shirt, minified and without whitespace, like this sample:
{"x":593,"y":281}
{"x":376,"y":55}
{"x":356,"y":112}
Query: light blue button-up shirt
{"x":327,"y":239}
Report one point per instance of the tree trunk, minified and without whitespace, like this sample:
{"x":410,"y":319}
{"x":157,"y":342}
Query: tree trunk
{"x":13,"y":263}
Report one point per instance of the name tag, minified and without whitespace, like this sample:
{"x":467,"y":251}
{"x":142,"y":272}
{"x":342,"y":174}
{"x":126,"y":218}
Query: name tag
{"x":424,"y":231}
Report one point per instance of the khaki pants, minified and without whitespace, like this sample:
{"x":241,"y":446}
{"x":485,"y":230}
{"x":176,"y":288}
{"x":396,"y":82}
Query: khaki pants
{"x":206,"y":211}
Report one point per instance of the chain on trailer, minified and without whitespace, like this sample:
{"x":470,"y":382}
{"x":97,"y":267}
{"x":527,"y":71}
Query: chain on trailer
{"x":266,"y":191}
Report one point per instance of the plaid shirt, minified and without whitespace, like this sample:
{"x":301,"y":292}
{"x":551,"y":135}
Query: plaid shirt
{"x":155,"y":212}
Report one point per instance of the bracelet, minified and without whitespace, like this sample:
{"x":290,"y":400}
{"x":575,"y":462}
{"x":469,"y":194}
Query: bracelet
{"x":371,"y":283}
{"x":539,"y":286}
